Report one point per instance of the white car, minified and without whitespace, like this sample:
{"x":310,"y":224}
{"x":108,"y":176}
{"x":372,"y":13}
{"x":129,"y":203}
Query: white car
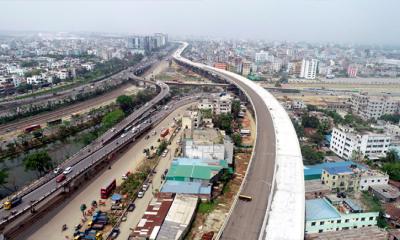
{"x":123,"y":135}
{"x":140,"y":194}
{"x":145,"y":187}
{"x":67,"y":170}
{"x":57,"y":170}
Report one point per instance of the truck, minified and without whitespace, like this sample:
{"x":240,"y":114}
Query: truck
{"x":12,"y":203}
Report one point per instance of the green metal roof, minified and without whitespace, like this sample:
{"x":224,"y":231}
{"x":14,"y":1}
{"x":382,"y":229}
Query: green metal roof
{"x":193,"y":171}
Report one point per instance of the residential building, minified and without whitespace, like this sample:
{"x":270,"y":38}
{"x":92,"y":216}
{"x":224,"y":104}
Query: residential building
{"x":261,"y":57}
{"x":312,"y":172}
{"x":191,"y":120}
{"x":222,"y":66}
{"x":246,"y":68}
{"x":372,"y":178}
{"x":323,"y":216}
{"x":385,"y":192}
{"x":309,"y":69}
{"x":341,"y":178}
{"x":199,"y":189}
{"x":352,"y":71}
{"x":347,"y":143}
{"x":373,"y":232}
{"x":373,"y":107}
{"x":315,"y":189}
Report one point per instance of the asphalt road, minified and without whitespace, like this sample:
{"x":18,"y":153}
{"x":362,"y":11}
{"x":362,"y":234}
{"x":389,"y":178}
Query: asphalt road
{"x":50,"y":186}
{"x":248,"y":216}
{"x":85,"y":157}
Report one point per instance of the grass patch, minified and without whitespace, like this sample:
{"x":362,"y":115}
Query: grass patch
{"x":372,"y":202}
{"x":207,"y":207}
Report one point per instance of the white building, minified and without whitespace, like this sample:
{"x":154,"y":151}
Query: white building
{"x":347,"y":143}
{"x":372,"y":178}
{"x":261,"y":57}
{"x":309,"y":69}
{"x":36,"y":79}
{"x":298,"y":104}
{"x":373,"y":107}
{"x":191,"y":120}
{"x":62,"y":74}
{"x":217,"y":104}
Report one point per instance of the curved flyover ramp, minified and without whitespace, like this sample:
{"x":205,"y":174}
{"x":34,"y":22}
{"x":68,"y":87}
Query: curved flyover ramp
{"x":274,"y":176}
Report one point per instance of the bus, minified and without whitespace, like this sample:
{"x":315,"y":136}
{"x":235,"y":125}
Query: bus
{"x":32,"y":128}
{"x":106,"y":190}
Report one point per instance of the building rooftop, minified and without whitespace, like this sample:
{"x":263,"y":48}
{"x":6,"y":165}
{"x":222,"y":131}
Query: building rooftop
{"x":352,"y":205}
{"x":153,"y":218}
{"x":192,"y":172}
{"x":386,"y":190}
{"x":316,"y":169}
{"x":340,"y":170}
{"x":179,"y":217}
{"x":373,"y":232}
{"x":186,"y":187}
{"x":199,"y":162}
{"x":315,"y":185}
{"x":317,"y":209}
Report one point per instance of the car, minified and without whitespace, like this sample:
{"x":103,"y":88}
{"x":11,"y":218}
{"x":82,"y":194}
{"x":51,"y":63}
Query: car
{"x":140,"y":194}
{"x":60,"y":178}
{"x":67,"y":170}
{"x":145,"y":187}
{"x":112,"y":129}
{"x":57,"y":170}
{"x":131,"y":207}
{"x":123,"y":135}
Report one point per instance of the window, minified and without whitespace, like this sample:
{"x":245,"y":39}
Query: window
{"x":313,"y":223}
{"x":321,"y":223}
{"x":363,"y":219}
{"x":321,"y":230}
{"x":347,"y":220}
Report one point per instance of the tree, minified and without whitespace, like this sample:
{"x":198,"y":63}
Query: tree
{"x":112,"y":118}
{"x":83,"y":208}
{"x":391,"y":157}
{"x":237,"y":139}
{"x":125,"y":103}
{"x":310,"y":156}
{"x":224,"y":122}
{"x":235,"y":108}
{"x":393,"y":169}
{"x":3,"y":179}
{"x":38,"y":161}
{"x":393,"y":118}
{"x":309,"y":121}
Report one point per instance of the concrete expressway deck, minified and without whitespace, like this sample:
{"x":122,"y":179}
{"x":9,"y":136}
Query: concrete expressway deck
{"x":274,"y":177}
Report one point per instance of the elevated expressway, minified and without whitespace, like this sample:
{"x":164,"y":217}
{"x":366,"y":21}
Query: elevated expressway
{"x":99,"y":151}
{"x":274,"y":177}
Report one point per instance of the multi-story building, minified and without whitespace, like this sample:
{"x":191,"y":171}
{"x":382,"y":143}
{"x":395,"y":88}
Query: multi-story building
{"x":347,"y":143}
{"x":372,"y":178}
{"x":373,"y":107}
{"x":352,"y":71}
{"x":309,"y":69}
{"x":323,"y":216}
{"x":261,"y":57}
{"x":246,"y":68}
{"x":341,"y":178}
{"x":218,"y":105}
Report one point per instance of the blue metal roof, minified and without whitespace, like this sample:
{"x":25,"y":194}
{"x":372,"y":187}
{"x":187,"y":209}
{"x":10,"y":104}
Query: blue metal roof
{"x":319,"y":209}
{"x":317,"y":168}
{"x":339,"y":169}
{"x":186,"y":187}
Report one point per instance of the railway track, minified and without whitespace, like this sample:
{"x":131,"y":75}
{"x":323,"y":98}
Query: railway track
{"x":61,"y":112}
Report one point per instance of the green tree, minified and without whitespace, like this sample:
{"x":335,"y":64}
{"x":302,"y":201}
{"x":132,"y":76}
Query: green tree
{"x":38,"y":161}
{"x":391,"y":157}
{"x":83,"y":208}
{"x":309,"y":121}
{"x":163,"y":145}
{"x":112,"y":118}
{"x":311,"y":156}
{"x":235,"y":108}
{"x":125,"y":103}
{"x":224,"y":122}
{"x":3,"y":179}
{"x":393,"y":118}
{"x":393,"y":169}
{"x":237,"y":139}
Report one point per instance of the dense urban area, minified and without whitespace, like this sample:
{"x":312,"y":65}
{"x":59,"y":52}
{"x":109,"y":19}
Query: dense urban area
{"x":112,"y":136}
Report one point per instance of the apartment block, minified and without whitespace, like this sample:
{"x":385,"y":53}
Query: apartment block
{"x":347,"y":143}
{"x":373,"y":107}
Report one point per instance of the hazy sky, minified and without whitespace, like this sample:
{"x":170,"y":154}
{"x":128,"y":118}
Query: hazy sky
{"x":354,"y":21}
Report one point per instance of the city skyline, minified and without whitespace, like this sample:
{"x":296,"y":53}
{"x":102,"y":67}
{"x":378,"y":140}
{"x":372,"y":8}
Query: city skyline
{"x":356,"y":21}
